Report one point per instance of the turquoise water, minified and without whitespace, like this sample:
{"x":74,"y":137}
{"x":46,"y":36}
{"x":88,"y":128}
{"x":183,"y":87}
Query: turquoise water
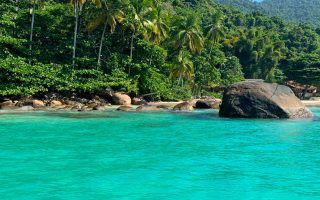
{"x":155,"y":156}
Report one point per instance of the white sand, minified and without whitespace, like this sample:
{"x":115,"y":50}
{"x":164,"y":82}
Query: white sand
{"x":311,"y":102}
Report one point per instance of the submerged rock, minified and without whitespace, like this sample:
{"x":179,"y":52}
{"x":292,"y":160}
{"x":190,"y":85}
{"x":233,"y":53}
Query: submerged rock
{"x":261,"y":100}
{"x":185,"y":106}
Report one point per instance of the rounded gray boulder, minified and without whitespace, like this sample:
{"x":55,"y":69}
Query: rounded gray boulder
{"x":261,"y":100}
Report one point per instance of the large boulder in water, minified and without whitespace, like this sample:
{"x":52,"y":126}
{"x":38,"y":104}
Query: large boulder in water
{"x":261,"y":100}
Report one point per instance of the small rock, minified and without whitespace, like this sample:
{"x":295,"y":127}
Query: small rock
{"x":165,"y":107}
{"x":99,"y":108}
{"x":52,"y":96}
{"x":70,"y":103}
{"x":92,"y":105}
{"x":25,"y":102}
{"x":315,"y":98}
{"x":82,"y":100}
{"x":139,"y":101}
{"x":208,"y":104}
{"x":124,"y":108}
{"x":85,"y":108}
{"x":185,"y":106}
{"x":56,"y":103}
{"x":77,"y":106}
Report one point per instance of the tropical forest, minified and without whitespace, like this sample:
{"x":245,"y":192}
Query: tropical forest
{"x":160,"y":49}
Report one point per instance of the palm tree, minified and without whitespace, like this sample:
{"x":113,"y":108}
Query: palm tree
{"x":138,"y":21}
{"x":32,"y":12}
{"x":157,"y":28}
{"x":183,"y":67}
{"x":77,"y":6}
{"x":215,"y":32}
{"x":111,"y":15}
{"x":190,"y":35}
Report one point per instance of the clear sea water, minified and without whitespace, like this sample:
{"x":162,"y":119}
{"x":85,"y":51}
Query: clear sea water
{"x":155,"y":156}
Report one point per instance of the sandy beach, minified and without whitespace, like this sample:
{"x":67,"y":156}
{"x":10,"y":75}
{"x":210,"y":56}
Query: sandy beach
{"x":311,"y":102}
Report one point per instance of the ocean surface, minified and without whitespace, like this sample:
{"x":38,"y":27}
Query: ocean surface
{"x":155,"y":156}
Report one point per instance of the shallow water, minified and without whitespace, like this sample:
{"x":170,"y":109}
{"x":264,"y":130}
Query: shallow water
{"x":154,"y":156}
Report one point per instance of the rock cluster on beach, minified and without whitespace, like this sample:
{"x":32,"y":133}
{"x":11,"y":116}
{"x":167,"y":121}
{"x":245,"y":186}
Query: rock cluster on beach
{"x":261,"y":100}
{"x":102,"y":102}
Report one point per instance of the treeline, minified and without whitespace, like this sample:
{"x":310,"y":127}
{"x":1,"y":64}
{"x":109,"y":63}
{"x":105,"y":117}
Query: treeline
{"x":299,"y":11}
{"x":304,"y":11}
{"x":169,"y":49}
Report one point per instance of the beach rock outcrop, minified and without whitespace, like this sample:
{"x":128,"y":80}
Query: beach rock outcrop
{"x":8,"y":104}
{"x":210,"y":103}
{"x":261,"y":100}
{"x":185,"y":106}
{"x":121,"y":99}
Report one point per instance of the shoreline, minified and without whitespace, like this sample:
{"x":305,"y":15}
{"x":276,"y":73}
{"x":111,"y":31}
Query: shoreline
{"x":167,"y":104}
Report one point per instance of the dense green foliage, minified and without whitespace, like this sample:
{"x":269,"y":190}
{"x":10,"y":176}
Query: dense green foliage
{"x":296,"y":10}
{"x":305,"y":11}
{"x":168,"y":49}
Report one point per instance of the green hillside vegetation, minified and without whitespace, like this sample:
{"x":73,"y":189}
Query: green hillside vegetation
{"x":301,"y":11}
{"x":305,"y":11}
{"x":243,"y":5}
{"x":169,"y":49}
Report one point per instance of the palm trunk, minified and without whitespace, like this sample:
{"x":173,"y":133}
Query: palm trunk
{"x":15,"y":17}
{"x":31,"y":31}
{"x":76,"y":15}
{"x":131,"y":51}
{"x":101,"y":43}
{"x":180,"y":80}
{"x":131,"y":46}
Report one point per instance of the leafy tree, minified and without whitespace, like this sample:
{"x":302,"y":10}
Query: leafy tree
{"x":189,"y":35}
{"x":110,"y":16}
{"x":183,"y":67}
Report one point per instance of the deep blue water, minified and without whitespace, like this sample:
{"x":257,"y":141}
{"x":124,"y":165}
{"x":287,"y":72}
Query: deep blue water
{"x":156,"y":156}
